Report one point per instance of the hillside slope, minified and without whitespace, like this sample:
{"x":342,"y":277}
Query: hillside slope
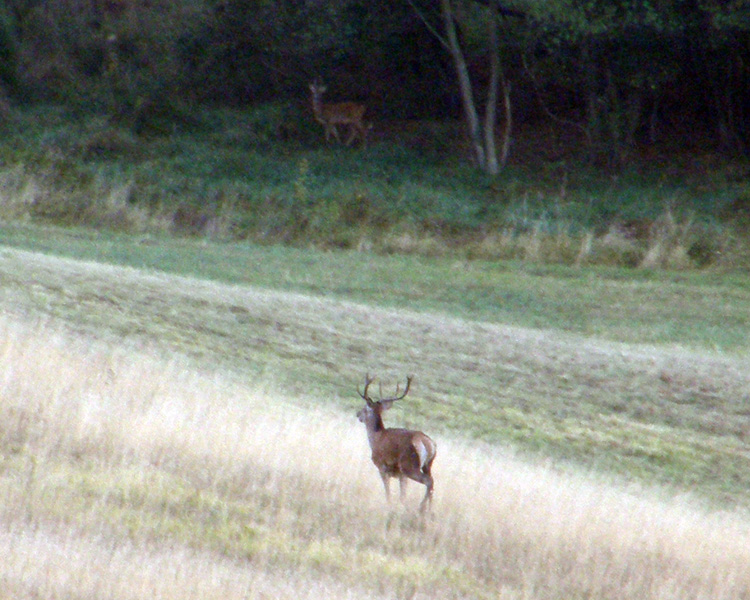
{"x":152,"y":445}
{"x":660,"y":414}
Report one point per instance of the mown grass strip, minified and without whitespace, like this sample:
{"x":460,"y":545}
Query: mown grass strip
{"x":704,"y":310}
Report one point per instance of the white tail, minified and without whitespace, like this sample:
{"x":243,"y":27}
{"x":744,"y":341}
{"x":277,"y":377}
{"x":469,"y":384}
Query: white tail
{"x":398,"y":453}
{"x":349,"y":114}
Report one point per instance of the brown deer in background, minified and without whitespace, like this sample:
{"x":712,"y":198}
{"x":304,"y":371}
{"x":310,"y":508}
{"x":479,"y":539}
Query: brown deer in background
{"x":340,"y":113}
{"x":396,"y":452}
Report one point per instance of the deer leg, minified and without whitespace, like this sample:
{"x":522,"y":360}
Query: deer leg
{"x":410,"y":467}
{"x":427,"y":474}
{"x":427,"y":500}
{"x":425,"y":478}
{"x":332,"y":130}
{"x":426,"y":503}
{"x":352,"y":134}
{"x":359,"y":130}
{"x":402,"y":481}
{"x":386,"y":484}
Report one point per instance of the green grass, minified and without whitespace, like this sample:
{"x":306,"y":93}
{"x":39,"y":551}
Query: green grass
{"x":419,"y":227}
{"x":709,"y":310}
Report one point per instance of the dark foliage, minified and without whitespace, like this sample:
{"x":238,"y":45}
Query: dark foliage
{"x":621,"y":75}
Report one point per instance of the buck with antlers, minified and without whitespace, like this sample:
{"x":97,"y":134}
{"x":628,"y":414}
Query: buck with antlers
{"x":341,"y":113}
{"x":397,"y":452}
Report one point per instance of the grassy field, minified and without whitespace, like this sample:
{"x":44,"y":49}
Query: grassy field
{"x":179,"y":437}
{"x":643,"y":377}
{"x":186,"y":317}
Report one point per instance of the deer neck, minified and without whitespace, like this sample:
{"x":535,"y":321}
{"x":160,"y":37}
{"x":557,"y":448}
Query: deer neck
{"x":317,"y":105}
{"x":374,"y":427}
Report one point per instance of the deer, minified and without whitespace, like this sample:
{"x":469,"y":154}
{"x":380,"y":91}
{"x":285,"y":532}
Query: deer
{"x":340,"y":113}
{"x":397,"y":452}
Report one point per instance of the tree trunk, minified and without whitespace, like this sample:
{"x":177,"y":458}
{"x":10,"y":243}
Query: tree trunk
{"x":481,"y":136}
{"x":508,"y":123}
{"x":464,"y":82}
{"x":490,"y":115}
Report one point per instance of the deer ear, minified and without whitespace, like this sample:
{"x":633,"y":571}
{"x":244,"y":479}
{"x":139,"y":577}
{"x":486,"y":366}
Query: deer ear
{"x":386,"y":404}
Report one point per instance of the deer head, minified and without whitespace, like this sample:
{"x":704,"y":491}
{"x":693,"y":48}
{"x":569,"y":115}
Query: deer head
{"x":382,"y":404}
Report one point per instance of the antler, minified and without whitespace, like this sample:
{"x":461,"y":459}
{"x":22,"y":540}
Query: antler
{"x":398,"y":386}
{"x":365,"y":397}
{"x":370,"y":401}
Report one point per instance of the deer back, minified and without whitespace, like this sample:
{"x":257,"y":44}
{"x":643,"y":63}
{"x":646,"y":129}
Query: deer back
{"x":401,"y":450}
{"x":342,"y":113}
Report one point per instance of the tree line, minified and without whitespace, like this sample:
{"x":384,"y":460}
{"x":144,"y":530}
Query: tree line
{"x":617,"y":72}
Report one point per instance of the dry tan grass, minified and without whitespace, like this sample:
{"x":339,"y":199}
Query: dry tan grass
{"x":44,"y":564}
{"x":154,"y":480}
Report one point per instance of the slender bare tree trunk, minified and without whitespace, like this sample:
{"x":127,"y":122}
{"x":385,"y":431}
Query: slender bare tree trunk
{"x":507,"y":134}
{"x":490,"y":115}
{"x":464,"y":82}
{"x":481,"y":134}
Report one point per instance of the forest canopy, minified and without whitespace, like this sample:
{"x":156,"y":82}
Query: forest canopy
{"x":622,"y":72}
